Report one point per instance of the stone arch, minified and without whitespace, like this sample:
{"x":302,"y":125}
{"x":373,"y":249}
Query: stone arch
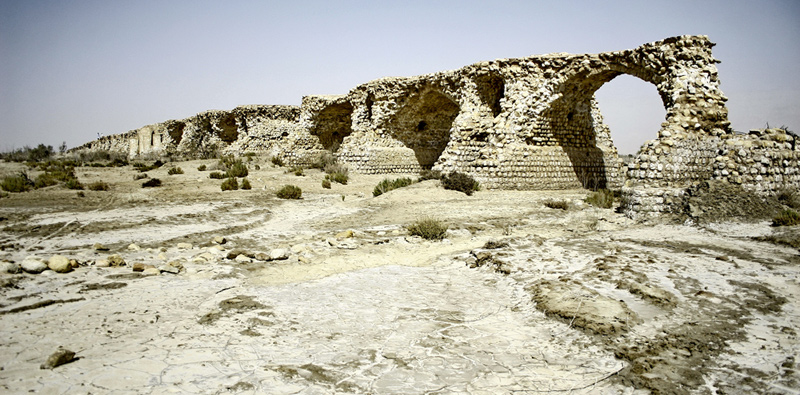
{"x":228,"y":131}
{"x":333,"y":124}
{"x":423,"y":124}
{"x":491,"y":89}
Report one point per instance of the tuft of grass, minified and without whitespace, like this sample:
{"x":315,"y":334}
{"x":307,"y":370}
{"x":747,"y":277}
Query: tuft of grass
{"x":428,"y":228}
{"x":175,"y":170}
{"x":277,"y":161}
{"x":18,"y":183}
{"x":99,"y":186}
{"x":326,"y":183}
{"x":789,"y":197}
{"x":387,"y":185}
{"x":290,"y":192}
{"x":787,"y":217}
{"x":460,"y":182}
{"x":429,"y":175}
{"x":151,"y":183}
{"x":337,"y":172}
{"x":341,"y":178}
{"x":230,"y":184}
{"x":246,"y":184}
{"x":73,"y":183}
{"x":216,"y":175}
{"x":298,"y":171}
{"x":202,"y":168}
{"x":557,"y":204}
{"x":602,"y":198}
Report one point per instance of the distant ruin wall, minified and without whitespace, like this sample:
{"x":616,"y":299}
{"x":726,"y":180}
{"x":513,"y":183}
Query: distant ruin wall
{"x":525,"y":123}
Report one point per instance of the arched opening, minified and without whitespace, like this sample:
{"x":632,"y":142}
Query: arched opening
{"x":175,"y":130}
{"x":632,"y":110}
{"x":491,"y":89}
{"x":333,"y":124}
{"x":424,"y":123}
{"x":228,"y":131}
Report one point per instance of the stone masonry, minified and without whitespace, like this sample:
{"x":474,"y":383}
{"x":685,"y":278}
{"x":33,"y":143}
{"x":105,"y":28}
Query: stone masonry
{"x":525,"y":123}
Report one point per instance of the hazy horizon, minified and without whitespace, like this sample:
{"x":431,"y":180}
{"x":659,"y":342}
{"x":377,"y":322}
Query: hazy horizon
{"x":72,"y":70}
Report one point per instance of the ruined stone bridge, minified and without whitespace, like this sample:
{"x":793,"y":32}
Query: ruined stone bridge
{"x":524,"y":123}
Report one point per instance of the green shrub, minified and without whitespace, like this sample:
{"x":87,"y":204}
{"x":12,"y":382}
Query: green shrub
{"x":246,"y":184}
{"x":230,"y":184}
{"x":277,"y":161}
{"x":18,"y":183}
{"x":237,"y":169}
{"x":557,"y":204}
{"x":45,"y":180}
{"x":140,"y":176}
{"x":428,"y":229}
{"x":202,"y":168}
{"x":387,"y":185}
{"x":460,"y":182}
{"x":175,"y":170}
{"x":341,"y":178}
{"x":98,"y":186}
{"x":602,"y":198}
{"x":151,"y":183}
{"x":429,"y":175}
{"x":786,"y":217}
{"x":73,"y":183}
{"x":326,"y":184}
{"x":290,"y":192}
{"x":216,"y":175}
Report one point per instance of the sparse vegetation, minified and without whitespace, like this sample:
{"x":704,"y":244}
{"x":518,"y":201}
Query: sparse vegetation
{"x":277,"y":161}
{"x":602,"y":198}
{"x":18,"y":183}
{"x":237,"y":169}
{"x":202,"y":168}
{"x":324,"y":160}
{"x":216,"y":175}
{"x":290,"y":192}
{"x":27,"y":154}
{"x":557,"y":204}
{"x":98,"y":186}
{"x":429,"y":175}
{"x":230,"y":184}
{"x":387,"y":185}
{"x":298,"y":171}
{"x":175,"y":170}
{"x":141,"y":167}
{"x":787,"y":217}
{"x":790,"y":197}
{"x":326,"y":183}
{"x":428,"y":229}
{"x":460,"y":182}
{"x":246,"y":184}
{"x":73,"y":183}
{"x":151,"y":183}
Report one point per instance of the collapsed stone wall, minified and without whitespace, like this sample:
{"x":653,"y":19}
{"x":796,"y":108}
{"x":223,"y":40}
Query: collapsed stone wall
{"x":523,"y":123}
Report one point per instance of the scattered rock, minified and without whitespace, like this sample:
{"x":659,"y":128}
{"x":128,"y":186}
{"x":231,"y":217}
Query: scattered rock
{"x":185,"y":246}
{"x":60,"y":357}
{"x":262,"y":256}
{"x":220,"y":240}
{"x":102,"y":263}
{"x":233,"y":254}
{"x":100,"y":247}
{"x":176,"y":264}
{"x":162,"y":256}
{"x":59,"y":264}
{"x":278,"y":254}
{"x":169,"y":269}
{"x":33,"y":265}
{"x":345,"y":235}
{"x":141,"y":267}
{"x":151,"y":271}
{"x":134,"y":247}
{"x":116,"y":261}
{"x":8,"y":267}
{"x":242,"y":259}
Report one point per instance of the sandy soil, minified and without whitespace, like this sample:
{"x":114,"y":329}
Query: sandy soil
{"x":518,"y":298}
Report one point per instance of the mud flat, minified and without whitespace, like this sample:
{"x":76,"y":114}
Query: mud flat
{"x":241,"y":292}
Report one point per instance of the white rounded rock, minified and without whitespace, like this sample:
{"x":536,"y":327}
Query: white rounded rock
{"x":33,"y":265}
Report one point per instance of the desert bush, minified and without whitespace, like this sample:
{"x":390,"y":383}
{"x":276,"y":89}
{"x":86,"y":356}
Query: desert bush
{"x":429,"y":175}
{"x":786,"y":217}
{"x":151,"y":183}
{"x":140,"y":176}
{"x":557,"y":204}
{"x":602,"y":198}
{"x":257,"y":167}
{"x":246,"y":184}
{"x":387,"y":185}
{"x":98,"y":186}
{"x":790,"y":197}
{"x":460,"y":182}
{"x":428,"y":229}
{"x":277,"y":161}
{"x":45,"y":180}
{"x":237,"y":169}
{"x":144,"y":167}
{"x":174,"y":170}
{"x":290,"y":192}
{"x":202,"y":168}
{"x":324,"y":160}
{"x":341,"y":178}
{"x":230,"y":184}
{"x":18,"y":183}
{"x":298,"y":171}
{"x":73,"y":183}
{"x":216,"y":175}
{"x":326,"y":183}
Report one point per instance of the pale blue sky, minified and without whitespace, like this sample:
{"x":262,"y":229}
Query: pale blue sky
{"x":72,"y":69}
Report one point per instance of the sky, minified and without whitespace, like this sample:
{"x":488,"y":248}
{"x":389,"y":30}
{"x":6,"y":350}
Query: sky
{"x":71,"y":70}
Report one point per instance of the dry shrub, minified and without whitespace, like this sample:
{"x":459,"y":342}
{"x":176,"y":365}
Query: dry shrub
{"x":151,"y":183}
{"x":18,"y":183}
{"x":460,"y":182}
{"x":557,"y":204}
{"x":326,"y":184}
{"x":290,"y":192}
{"x":99,"y":186}
{"x":175,"y":170}
{"x":602,"y":198}
{"x":387,"y":185}
{"x":246,"y":184}
{"x":230,"y":184}
{"x":429,"y":175}
{"x":786,"y":217}
{"x":216,"y":175}
{"x":428,"y":229}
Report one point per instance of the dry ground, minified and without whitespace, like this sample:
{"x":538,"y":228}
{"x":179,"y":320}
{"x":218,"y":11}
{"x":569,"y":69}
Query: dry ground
{"x":518,"y":298}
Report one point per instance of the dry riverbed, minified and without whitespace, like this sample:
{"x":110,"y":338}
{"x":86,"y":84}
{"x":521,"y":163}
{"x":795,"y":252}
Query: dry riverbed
{"x":241,"y":292}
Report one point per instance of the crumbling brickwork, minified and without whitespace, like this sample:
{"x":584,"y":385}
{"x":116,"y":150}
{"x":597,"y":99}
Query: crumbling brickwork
{"x":524,"y":123}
